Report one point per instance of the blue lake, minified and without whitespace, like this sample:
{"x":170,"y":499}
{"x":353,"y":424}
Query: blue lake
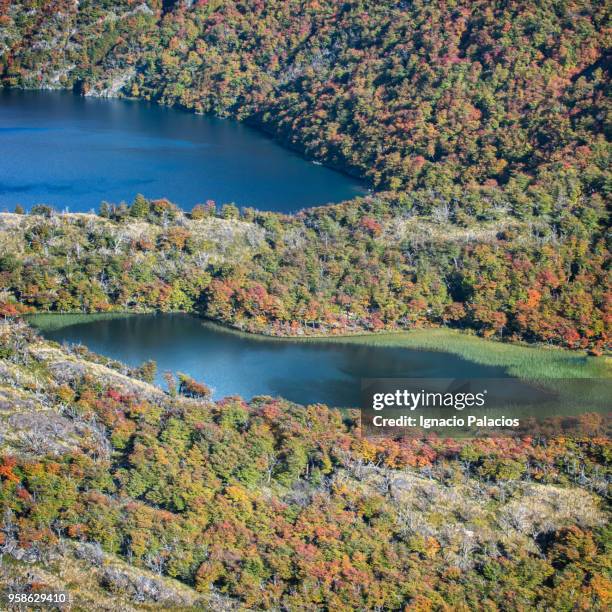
{"x":72,"y":152}
{"x":233,"y":363}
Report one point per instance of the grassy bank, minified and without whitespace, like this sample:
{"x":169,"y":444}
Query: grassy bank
{"x":522,"y":361}
{"x":532,"y":362}
{"x":549,"y":368}
{"x":48,"y":322}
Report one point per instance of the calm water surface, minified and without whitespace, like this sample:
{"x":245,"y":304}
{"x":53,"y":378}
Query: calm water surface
{"x":231,"y":363}
{"x":73,"y":152}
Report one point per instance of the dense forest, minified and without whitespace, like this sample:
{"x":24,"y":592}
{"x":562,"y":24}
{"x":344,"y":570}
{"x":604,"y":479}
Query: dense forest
{"x":339,"y":269}
{"x":271,"y":505}
{"x":483,"y":131}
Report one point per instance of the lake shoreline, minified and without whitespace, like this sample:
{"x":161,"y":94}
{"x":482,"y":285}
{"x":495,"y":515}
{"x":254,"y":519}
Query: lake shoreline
{"x":317,"y":337}
{"x":251,"y":122}
{"x":522,"y":360}
{"x":156,"y":149}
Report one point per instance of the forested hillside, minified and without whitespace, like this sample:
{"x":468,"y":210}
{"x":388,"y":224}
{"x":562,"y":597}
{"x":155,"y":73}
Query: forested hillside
{"x":485,"y":124}
{"x":425,"y":94}
{"x":483,"y":129}
{"x":270,"y":505}
{"x":340,"y":269}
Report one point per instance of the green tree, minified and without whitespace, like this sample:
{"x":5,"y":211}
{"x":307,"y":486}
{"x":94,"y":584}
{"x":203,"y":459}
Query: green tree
{"x":140,"y":207}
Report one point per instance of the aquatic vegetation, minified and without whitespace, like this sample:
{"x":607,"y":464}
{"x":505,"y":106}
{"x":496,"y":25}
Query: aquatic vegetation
{"x":522,"y":361}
